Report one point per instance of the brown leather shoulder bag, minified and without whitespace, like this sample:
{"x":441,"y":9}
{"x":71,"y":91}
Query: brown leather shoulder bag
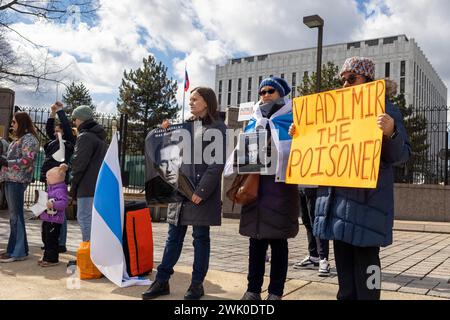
{"x":244,"y":189}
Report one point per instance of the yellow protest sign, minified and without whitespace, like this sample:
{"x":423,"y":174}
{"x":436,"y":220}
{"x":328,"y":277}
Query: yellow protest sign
{"x":337,"y":141}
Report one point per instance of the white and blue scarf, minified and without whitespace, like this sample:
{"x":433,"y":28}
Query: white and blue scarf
{"x":279,"y":124}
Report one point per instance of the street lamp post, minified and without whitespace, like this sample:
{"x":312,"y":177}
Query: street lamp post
{"x":316,"y":21}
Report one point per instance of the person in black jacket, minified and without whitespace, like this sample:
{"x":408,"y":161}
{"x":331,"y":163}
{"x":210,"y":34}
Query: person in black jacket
{"x":90,"y":149}
{"x":53,"y":129}
{"x":201,"y":211}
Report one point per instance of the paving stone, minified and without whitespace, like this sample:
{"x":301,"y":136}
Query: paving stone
{"x":390,"y":286}
{"x":422,"y":291}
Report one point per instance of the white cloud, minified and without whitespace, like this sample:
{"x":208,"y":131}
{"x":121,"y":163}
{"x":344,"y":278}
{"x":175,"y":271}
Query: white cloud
{"x":425,"y":21}
{"x":106,"y":107}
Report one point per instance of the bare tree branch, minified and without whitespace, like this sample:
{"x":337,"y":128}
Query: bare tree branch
{"x":23,"y":68}
{"x":19,"y":34}
{"x":8,"y":5}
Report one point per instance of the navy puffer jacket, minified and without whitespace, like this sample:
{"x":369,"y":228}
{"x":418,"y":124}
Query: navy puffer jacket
{"x":365,"y":217}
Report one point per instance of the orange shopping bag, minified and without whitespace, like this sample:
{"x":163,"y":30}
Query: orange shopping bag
{"x":86,"y":267}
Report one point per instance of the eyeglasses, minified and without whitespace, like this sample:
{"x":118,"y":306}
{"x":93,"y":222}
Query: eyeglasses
{"x":351,"y":79}
{"x":264,"y":92}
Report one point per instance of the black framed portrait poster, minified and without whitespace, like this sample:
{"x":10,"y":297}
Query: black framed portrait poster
{"x":169,"y":167}
{"x":252,"y":155}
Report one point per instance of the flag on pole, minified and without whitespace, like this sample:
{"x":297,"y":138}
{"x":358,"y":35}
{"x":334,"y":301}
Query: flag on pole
{"x":186,"y":80}
{"x":107,"y":222}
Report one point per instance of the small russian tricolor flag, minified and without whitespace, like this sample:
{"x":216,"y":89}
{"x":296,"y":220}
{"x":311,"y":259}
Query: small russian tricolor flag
{"x":186,"y":81}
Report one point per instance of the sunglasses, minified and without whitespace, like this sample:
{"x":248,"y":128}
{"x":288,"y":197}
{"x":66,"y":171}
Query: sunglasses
{"x":264,"y":92}
{"x":351,"y":79}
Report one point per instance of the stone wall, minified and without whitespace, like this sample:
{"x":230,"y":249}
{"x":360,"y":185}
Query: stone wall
{"x":422,"y":202}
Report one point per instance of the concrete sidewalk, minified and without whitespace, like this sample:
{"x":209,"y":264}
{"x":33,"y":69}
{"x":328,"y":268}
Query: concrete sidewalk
{"x":415,"y":267}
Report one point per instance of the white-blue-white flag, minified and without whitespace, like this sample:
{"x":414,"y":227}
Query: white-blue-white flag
{"x":107,"y":222}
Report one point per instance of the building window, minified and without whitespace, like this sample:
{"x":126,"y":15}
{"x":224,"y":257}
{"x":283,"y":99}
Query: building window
{"x":402,"y":76}
{"x":415,"y":87}
{"x":390,"y":40}
{"x":250,"y":59}
{"x":282,"y":76}
{"x":234,"y":61}
{"x":239,"y":91}
{"x":262,"y":58}
{"x":249,"y":89}
{"x":387,"y":73}
{"x":372,"y":43}
{"x":402,"y":68}
{"x":353,"y":45}
{"x":260,"y":80}
{"x":305,"y":74}
{"x":294,"y":84}
{"x":402,"y":85}
{"x":220,"y":92}
{"x":230,"y":84}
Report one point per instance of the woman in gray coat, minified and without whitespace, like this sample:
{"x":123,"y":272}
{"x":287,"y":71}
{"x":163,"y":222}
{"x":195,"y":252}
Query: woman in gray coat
{"x":201,"y":212}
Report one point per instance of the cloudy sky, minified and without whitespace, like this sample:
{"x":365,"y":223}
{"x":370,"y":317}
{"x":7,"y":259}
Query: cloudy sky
{"x":203,"y":33}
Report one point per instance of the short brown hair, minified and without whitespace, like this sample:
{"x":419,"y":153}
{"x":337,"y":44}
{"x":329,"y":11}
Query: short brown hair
{"x":24,"y":124}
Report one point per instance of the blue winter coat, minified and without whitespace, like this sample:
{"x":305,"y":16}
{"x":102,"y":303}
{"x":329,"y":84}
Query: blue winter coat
{"x":364,"y":217}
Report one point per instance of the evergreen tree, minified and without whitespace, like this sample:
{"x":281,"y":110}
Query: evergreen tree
{"x":416,"y":127}
{"x":147,"y":94}
{"x":75,"y":96}
{"x":330,"y":80}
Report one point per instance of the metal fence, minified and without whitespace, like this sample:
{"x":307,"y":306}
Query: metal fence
{"x":429,"y":132}
{"x":131,"y":153}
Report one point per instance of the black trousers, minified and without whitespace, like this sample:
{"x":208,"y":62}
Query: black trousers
{"x":278,"y":265}
{"x":50,"y":235}
{"x":316,"y":246}
{"x":352,"y":266}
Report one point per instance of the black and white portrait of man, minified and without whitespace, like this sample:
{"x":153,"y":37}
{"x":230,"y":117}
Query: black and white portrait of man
{"x":168,"y":178}
{"x":251,"y":157}
{"x":170,"y":163}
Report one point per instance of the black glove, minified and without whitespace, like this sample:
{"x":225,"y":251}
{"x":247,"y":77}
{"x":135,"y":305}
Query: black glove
{"x":3,"y":162}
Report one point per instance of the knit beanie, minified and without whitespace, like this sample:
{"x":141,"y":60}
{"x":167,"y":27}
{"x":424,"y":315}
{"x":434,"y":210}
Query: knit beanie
{"x":278,"y":84}
{"x":359,"y":65}
{"x":83,"y":113}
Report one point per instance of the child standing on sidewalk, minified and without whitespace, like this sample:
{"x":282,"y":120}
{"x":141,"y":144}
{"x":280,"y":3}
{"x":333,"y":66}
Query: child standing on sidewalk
{"x":53,"y":217}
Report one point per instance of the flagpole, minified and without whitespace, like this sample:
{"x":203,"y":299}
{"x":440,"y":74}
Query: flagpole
{"x":184,"y":93}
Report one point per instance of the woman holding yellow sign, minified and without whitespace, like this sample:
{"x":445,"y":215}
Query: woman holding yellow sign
{"x":360,"y":220}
